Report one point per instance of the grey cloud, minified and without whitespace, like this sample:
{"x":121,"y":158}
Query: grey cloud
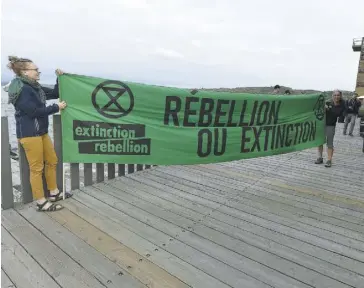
{"x":229,"y":43}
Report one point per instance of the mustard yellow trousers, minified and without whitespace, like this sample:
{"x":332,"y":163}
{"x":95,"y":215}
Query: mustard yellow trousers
{"x":40,"y":150}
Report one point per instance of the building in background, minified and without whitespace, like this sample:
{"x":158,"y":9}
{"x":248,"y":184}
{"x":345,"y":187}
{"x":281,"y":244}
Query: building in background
{"x":358,"y":46}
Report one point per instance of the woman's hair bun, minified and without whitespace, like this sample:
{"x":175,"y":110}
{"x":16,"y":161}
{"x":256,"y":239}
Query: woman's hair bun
{"x":17,"y":64}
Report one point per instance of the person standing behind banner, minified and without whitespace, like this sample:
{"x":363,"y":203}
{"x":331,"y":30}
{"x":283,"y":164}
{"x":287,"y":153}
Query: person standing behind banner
{"x":352,"y":110}
{"x":31,"y":116}
{"x":334,"y":108}
{"x":276,"y":89}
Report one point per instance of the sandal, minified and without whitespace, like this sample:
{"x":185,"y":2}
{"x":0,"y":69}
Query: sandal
{"x":59,"y":196}
{"x":50,"y":208}
{"x":328,"y":163}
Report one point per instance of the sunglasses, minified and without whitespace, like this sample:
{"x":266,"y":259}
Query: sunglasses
{"x":32,"y":69}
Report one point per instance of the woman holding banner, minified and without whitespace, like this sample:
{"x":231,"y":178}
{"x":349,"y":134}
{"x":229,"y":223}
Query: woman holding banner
{"x":334,"y":108}
{"x":31,"y":115}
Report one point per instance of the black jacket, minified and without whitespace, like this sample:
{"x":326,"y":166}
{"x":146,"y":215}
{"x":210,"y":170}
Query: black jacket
{"x":31,"y":115}
{"x":334,"y":111}
{"x":352,"y":106}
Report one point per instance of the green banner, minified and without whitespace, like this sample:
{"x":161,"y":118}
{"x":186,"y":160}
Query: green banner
{"x":108,"y":121}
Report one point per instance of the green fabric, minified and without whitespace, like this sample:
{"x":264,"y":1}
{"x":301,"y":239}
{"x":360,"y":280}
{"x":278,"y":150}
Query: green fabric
{"x":113,"y":122}
{"x":16,"y":86}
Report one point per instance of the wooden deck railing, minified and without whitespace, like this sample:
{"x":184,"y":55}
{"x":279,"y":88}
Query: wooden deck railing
{"x":7,"y":196}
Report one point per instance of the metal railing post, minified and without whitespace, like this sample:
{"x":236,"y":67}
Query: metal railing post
{"x":57,"y":138}
{"x":24,"y":176}
{"x":7,"y":196}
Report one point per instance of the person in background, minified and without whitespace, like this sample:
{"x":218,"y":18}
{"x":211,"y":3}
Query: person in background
{"x":287,"y":92}
{"x":276,"y":89}
{"x":352,"y":110}
{"x":334,"y":108}
{"x":31,"y":116}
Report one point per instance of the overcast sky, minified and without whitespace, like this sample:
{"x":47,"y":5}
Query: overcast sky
{"x":189,"y":43}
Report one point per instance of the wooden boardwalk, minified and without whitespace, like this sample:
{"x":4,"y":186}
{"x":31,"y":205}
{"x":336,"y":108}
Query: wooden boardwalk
{"x":278,"y":221}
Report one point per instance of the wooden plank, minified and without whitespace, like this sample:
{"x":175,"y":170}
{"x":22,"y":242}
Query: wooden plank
{"x":189,"y":274}
{"x":7,"y":196}
{"x":110,"y":171}
{"x":264,"y":195}
{"x":264,"y":192}
{"x":341,"y":201}
{"x":5,"y":281}
{"x":279,"y":224}
{"x":244,"y":226}
{"x":87,"y":169}
{"x":105,"y":271}
{"x":303,"y":178}
{"x":61,"y":266}
{"x":351,"y":203}
{"x":303,"y":270}
{"x":287,"y":192}
{"x":214,"y":192}
{"x":253,"y":224}
{"x":24,"y":271}
{"x":121,"y":169}
{"x":100,"y":172}
{"x":226,"y":265}
{"x":302,"y":172}
{"x":152,"y":183}
{"x":285,"y":247}
{"x":300,"y":163}
{"x":145,"y":271}
{"x":314,"y":198}
{"x":217,"y":197}
{"x":75,"y":176}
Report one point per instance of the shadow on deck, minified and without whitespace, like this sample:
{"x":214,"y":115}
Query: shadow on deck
{"x":277,"y":221}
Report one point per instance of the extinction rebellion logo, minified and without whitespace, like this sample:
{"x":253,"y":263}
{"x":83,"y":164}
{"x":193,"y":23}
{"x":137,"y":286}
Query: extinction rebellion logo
{"x":112,"y":100}
{"x":319,"y":108}
{"x":114,"y":108}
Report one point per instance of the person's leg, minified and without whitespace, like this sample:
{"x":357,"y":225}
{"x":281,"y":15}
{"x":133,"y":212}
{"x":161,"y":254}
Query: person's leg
{"x":330,"y":152}
{"x":347,"y":120}
{"x":352,"y":125}
{"x":320,"y":150}
{"x":33,"y":149}
{"x":51,"y":160}
{"x":320,"y":159}
{"x":330,"y":145}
